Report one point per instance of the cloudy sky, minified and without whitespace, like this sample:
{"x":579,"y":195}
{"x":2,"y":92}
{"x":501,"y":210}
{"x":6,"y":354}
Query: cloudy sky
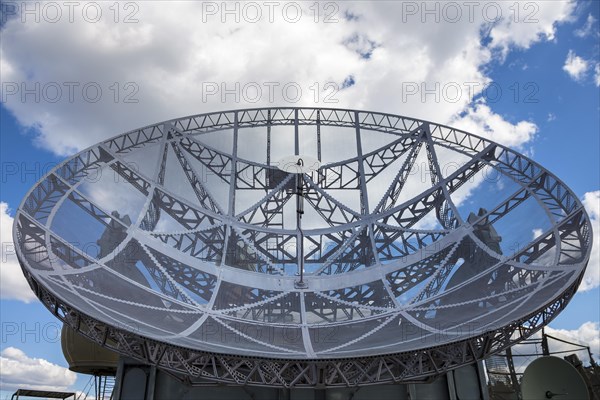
{"x":525,"y":74}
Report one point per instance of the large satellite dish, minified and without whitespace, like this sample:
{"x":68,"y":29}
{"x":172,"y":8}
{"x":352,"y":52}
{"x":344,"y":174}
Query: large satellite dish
{"x":552,"y":378}
{"x":406,"y":249}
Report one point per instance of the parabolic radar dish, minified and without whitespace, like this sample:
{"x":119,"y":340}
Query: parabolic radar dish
{"x":405,"y":249}
{"x":549,"y":377}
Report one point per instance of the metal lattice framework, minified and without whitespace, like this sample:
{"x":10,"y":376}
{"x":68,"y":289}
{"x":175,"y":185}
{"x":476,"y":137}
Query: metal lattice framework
{"x":424,"y":247}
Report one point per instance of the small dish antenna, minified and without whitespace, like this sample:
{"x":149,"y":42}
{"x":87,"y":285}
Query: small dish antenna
{"x":552,"y":378}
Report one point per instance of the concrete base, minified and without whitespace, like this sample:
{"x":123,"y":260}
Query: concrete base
{"x":135,"y":381}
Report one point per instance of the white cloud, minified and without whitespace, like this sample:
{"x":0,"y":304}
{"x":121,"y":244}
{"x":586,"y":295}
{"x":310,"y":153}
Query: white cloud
{"x":13,"y":284}
{"x":18,"y":370}
{"x":482,"y":120}
{"x":591,"y":279}
{"x":536,"y":233}
{"x":551,"y":117}
{"x":588,"y":28}
{"x":597,"y":74}
{"x":171,"y":58}
{"x":528,"y":23}
{"x":575,"y":66}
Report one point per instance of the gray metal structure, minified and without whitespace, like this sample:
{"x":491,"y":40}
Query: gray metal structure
{"x":424,"y":247}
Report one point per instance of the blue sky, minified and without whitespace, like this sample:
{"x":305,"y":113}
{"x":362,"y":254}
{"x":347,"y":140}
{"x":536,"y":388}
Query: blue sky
{"x":549,"y":84}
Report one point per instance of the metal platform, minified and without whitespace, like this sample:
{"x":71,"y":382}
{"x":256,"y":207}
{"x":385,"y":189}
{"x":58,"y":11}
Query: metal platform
{"x":46,"y":394}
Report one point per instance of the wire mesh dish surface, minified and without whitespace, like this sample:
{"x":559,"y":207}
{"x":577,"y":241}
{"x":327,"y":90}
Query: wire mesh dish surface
{"x":409,"y":249}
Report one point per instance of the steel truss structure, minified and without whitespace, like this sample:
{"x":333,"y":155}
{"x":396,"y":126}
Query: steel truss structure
{"x":195,"y":250}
